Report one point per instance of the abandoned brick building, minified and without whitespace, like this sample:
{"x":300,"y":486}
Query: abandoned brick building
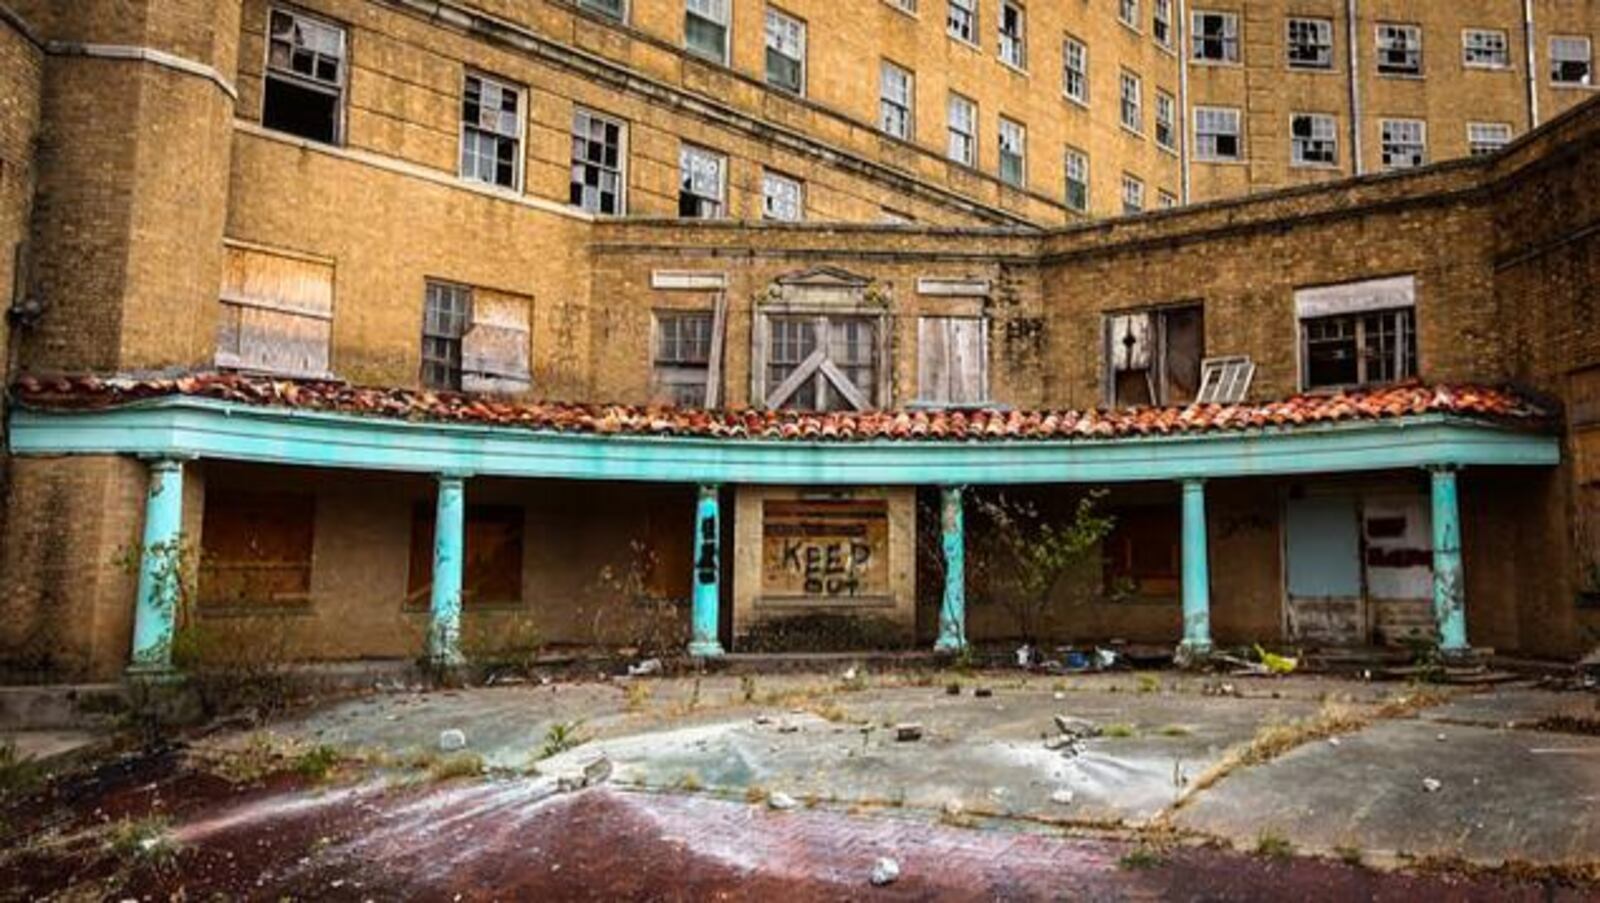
{"x":382,"y":328}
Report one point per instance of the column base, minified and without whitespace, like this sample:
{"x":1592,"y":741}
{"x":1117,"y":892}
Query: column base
{"x":706,"y":649}
{"x":1192,"y":652}
{"x":950,"y":645}
{"x":153,"y":673}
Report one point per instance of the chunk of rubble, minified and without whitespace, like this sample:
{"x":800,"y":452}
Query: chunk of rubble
{"x":1076,"y":727}
{"x":781,"y":801}
{"x":908,"y":732}
{"x":594,"y":771}
{"x":452,"y":740}
{"x":884,"y":871}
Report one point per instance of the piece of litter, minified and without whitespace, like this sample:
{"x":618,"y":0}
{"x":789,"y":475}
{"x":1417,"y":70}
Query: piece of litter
{"x":908,"y":732}
{"x":1431,"y":785}
{"x":983,"y":692}
{"x":1062,"y":796}
{"x":781,"y":801}
{"x":452,"y":739}
{"x":1058,"y":696}
{"x":1439,"y":737}
{"x":1333,"y":741}
{"x":1076,"y":727}
{"x":953,"y":690}
{"x":648,"y":666}
{"x":884,"y":871}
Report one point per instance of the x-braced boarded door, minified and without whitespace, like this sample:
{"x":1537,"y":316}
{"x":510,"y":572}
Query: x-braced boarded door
{"x":1326,"y":604}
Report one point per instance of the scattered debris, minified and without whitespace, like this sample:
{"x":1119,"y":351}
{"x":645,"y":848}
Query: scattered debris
{"x":983,"y":692}
{"x":884,"y":871}
{"x":1062,"y":797}
{"x":1276,"y":664}
{"x":1333,"y":741}
{"x":648,"y":666}
{"x":1439,"y":737}
{"x":1024,"y":656}
{"x":908,"y":732}
{"x":953,"y":689}
{"x":452,"y":739}
{"x":1076,"y":727}
{"x":595,"y":771}
{"x":1431,"y":785}
{"x":781,"y":801}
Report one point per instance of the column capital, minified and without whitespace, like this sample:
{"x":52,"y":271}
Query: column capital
{"x":166,"y":463}
{"x":452,"y":476}
{"x":1193,"y":482}
{"x":1443,"y":468}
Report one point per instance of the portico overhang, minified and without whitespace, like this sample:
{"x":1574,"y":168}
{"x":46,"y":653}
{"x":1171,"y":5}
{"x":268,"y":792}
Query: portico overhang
{"x":206,"y":428}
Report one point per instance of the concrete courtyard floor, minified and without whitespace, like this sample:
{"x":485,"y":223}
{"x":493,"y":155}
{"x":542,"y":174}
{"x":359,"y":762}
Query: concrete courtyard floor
{"x":1471,"y":792}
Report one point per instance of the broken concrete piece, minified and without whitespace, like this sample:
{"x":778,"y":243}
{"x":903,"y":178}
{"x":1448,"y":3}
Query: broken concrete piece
{"x":953,"y":690}
{"x":1431,"y":785}
{"x":1076,"y":727}
{"x":648,"y":666}
{"x":781,"y":801}
{"x":884,"y":871}
{"x":451,"y":740}
{"x":1062,"y":796}
{"x":908,"y":732}
{"x":983,"y":692}
{"x":595,"y":771}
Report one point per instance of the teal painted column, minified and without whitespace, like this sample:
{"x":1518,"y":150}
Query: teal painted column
{"x":1196,"y":570}
{"x":155,"y":615}
{"x":449,"y":551}
{"x":953,"y":612}
{"x":1449,"y":592}
{"x":707,"y":601}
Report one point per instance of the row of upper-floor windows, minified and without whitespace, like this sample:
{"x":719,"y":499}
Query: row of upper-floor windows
{"x":1314,"y":138}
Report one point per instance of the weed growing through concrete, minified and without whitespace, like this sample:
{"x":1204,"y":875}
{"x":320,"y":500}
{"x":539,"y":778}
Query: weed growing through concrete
{"x":564,"y":735}
{"x":1271,"y":844}
{"x":689,"y":781}
{"x":145,"y":842}
{"x":636,"y":696}
{"x":459,"y":765}
{"x":1349,"y":855}
{"x":1119,"y":731}
{"x":1141,"y":857}
{"x":317,"y":762}
{"x":756,"y":793}
{"x":1149,"y":683}
{"x":1175,"y":730}
{"x":747,"y":687}
{"x":18,"y":775}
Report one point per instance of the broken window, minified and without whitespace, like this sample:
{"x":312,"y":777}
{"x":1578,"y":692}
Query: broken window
{"x":1013,"y":37}
{"x":1216,"y":37}
{"x":896,"y":88}
{"x":952,"y":361}
{"x":491,"y":131}
{"x":276,"y":312}
{"x":822,"y":363}
{"x":1013,"y":152}
{"x":1225,"y":380}
{"x":255,"y":549}
{"x":1487,"y":137}
{"x":702,"y":183}
{"x":1143,"y":554}
{"x":1313,"y":140}
{"x":597,"y":156}
{"x":1166,"y":134}
{"x":304,"y":85}
{"x":1077,"y":180}
{"x":1485,"y":48}
{"x":1570,"y":62}
{"x":1310,"y":44}
{"x":961,"y":20}
{"x":1399,"y":49}
{"x":1216,"y":134}
{"x":1161,"y":23}
{"x":705,"y":28}
{"x":682,"y":357}
{"x":1404,"y":143}
{"x":491,"y":572}
{"x":474,"y":341}
{"x":786,"y":52}
{"x":782,"y":198}
{"x":1357,"y":333}
{"x":1154,"y":355}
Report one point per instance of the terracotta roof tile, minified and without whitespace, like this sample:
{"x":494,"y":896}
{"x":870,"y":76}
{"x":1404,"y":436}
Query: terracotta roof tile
{"x":1482,"y":402}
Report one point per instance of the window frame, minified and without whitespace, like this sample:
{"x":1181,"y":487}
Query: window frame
{"x":593,"y":6}
{"x":1158,"y":316}
{"x":726,"y":25}
{"x":924,"y":322}
{"x":1290,"y":44}
{"x":686,"y":150}
{"x":518,"y":141}
{"x":1201,"y":155}
{"x":817,"y":378}
{"x":970,"y":136}
{"x":1354,"y":301}
{"x":772,"y":176}
{"x":906,"y":107}
{"x":1071,"y":154}
{"x":1130,"y":181}
{"x":1379,"y":50}
{"x":676,"y":373}
{"x":1588,"y":75}
{"x":1232,"y":42}
{"x":1021,"y":134}
{"x":771,"y":12}
{"x":1478,"y":148}
{"x":1019,"y":40}
{"x":1161,"y":30}
{"x":1296,"y":158}
{"x":622,"y":158}
{"x":1467,"y":34}
{"x":1135,"y":103}
{"x":1128,"y":14}
{"x":1407,"y":356}
{"x":1384,"y":142}
{"x":1167,"y":121}
{"x":339,"y":91}
{"x":1068,"y":44}
{"x":970,"y":10}
{"x":451,"y":367}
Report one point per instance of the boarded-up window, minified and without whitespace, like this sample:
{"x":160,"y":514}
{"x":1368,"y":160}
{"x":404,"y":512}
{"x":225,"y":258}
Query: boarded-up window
{"x":825,"y":551}
{"x":474,"y":339}
{"x":1143,"y":552}
{"x":255,"y":549}
{"x":277,"y":312}
{"x":1154,"y":356}
{"x":952,"y":360}
{"x":492,"y":572}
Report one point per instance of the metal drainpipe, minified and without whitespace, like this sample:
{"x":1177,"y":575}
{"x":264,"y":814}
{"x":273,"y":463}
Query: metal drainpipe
{"x":1533,"y":71}
{"x":1353,"y":63}
{"x":1179,"y":44}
